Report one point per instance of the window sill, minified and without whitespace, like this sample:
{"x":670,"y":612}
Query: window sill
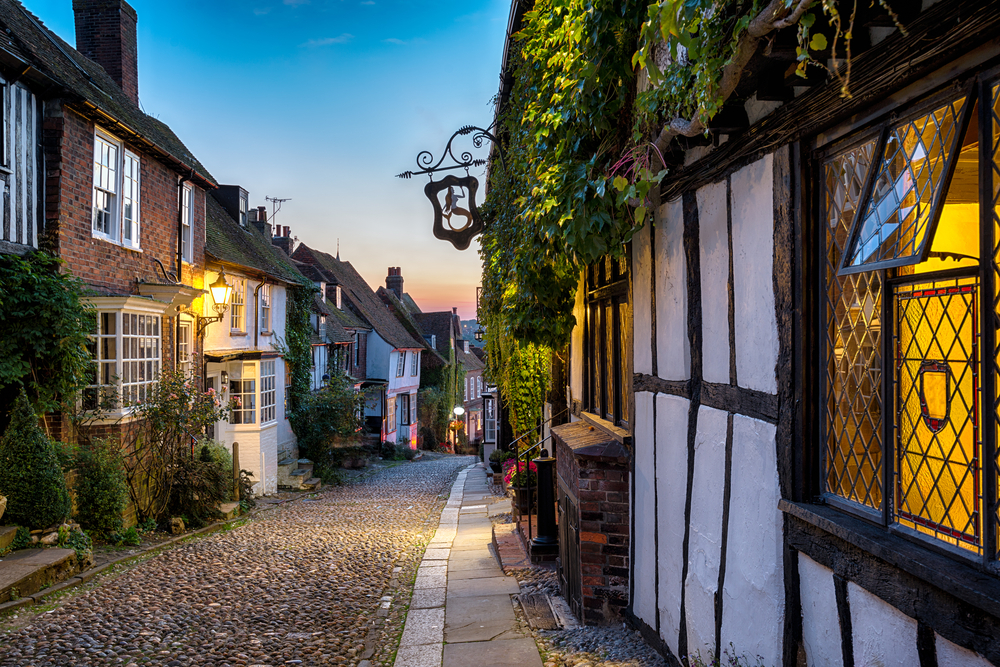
{"x":959,"y":578}
{"x":267,"y":333}
{"x":234,"y":332}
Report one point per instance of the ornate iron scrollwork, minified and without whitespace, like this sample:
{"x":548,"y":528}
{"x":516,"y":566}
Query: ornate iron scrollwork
{"x":453,"y":221}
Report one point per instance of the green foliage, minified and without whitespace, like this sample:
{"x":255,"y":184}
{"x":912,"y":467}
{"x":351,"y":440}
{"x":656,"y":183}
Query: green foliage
{"x":30,"y":474}
{"x":199,"y":485}
{"x":323,"y":416}
{"x":101,"y":490}
{"x":296,"y":350}
{"x":22,"y":539}
{"x":79,"y":542}
{"x":246,"y":482}
{"x":501,"y":455}
{"x":217,"y":453}
{"x":434,"y":405}
{"x":44,"y":348}
{"x":130,"y":538}
{"x":156,"y":437}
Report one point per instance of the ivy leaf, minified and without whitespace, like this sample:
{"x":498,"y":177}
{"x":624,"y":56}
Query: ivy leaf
{"x":620,"y":183}
{"x":807,"y":20}
{"x":818,"y":42}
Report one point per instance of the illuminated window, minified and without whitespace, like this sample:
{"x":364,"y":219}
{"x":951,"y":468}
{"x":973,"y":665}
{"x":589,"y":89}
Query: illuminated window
{"x":187,"y":217}
{"x":903,"y":322}
{"x":184,"y":348}
{"x":243,"y":393}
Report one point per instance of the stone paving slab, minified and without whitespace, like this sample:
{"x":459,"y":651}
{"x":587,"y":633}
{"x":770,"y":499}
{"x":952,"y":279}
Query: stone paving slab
{"x":436,"y":554}
{"x":480,"y":618}
{"x":500,"y":653}
{"x":423,"y":626}
{"x":463,"y":588}
{"x":484,"y":573}
{"x":419,"y":656}
{"x":427,"y":598}
{"x":430,"y":581}
{"x":461,"y":563}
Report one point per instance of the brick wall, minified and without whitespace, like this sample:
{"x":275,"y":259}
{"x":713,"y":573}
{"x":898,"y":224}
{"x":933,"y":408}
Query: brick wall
{"x":604,"y":539}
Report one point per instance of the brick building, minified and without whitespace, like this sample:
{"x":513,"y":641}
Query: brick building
{"x":105,"y":187}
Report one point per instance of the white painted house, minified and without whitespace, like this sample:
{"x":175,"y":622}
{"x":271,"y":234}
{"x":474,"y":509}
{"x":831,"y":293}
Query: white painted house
{"x":243,"y":351}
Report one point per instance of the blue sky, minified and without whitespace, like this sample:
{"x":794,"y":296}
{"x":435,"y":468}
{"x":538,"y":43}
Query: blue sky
{"x":323,"y":102}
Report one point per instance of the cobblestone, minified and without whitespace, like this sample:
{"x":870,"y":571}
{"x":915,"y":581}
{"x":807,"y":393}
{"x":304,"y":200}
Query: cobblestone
{"x":300,"y":584}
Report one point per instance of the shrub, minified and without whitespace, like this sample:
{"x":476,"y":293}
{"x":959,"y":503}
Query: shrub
{"x":30,"y":474}
{"x":101,"y":491}
{"x":199,"y":485}
{"x":217,"y":453}
{"x":247,"y":500}
{"x":325,"y":415}
{"x":501,"y":455}
{"x":79,"y":542}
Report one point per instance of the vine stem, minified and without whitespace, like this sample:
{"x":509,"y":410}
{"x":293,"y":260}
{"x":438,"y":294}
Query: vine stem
{"x":773,"y":17}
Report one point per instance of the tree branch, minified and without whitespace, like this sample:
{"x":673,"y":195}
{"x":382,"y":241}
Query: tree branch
{"x":773,"y":17}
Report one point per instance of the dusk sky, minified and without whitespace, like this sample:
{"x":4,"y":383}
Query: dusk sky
{"x":323,"y":102}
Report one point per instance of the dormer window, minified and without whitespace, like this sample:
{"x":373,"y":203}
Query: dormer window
{"x":244,"y":208}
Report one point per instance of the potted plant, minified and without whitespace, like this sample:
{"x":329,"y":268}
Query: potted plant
{"x":497,"y":458}
{"x":520,"y":476}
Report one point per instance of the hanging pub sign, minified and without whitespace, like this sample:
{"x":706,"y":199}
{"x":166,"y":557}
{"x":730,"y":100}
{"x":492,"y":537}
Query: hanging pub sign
{"x":453,"y":198}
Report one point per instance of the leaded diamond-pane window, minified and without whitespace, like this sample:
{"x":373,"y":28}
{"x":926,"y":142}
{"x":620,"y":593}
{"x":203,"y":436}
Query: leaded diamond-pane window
{"x":909,"y":348}
{"x":893,"y":225}
{"x":853,"y":457}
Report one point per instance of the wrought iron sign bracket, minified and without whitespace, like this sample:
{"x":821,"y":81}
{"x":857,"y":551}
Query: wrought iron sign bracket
{"x":452,"y":221}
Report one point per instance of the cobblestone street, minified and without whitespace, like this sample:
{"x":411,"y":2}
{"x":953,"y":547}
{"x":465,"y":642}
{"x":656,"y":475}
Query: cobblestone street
{"x":298,"y":584}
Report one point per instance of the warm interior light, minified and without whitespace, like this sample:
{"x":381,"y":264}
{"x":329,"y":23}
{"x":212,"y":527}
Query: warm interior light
{"x":221,"y":291}
{"x":459,"y":410}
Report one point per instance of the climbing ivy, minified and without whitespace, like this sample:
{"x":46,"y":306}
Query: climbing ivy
{"x":297,"y":351}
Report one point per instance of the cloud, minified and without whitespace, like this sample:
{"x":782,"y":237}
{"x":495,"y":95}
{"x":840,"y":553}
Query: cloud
{"x":327,"y":41}
{"x":393,"y":40}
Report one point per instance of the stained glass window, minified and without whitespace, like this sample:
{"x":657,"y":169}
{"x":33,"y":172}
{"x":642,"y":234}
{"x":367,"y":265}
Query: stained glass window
{"x":892,"y":227}
{"x":902,"y":320}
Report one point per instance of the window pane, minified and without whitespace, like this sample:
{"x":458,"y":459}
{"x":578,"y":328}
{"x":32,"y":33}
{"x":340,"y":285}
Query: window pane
{"x":853,"y":364}
{"x":937,"y":423}
{"x":895,"y":220}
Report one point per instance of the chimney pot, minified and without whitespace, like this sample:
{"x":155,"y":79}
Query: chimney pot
{"x":394,"y":281}
{"x":106,"y":33}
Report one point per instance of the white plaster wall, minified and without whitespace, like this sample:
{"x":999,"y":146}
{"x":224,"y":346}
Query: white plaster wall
{"x":641,"y":302}
{"x":248,"y":438}
{"x":644,"y":570}
{"x":714,"y":250}
{"x":286,"y":437}
{"x":820,"y":623}
{"x":671,"y":485}
{"x":953,"y":655}
{"x":705,"y":545}
{"x":753,"y":288}
{"x":269,"y":458}
{"x":754,"y":595}
{"x":882,"y":634}
{"x":673,"y":354}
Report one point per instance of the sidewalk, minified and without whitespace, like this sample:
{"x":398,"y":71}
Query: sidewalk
{"x":461,"y":613}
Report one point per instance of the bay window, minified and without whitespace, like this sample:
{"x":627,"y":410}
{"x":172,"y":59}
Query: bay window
{"x":243,"y":393}
{"x":267,"y":392}
{"x":125,"y":348}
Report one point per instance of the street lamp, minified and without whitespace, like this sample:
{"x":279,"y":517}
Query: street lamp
{"x":479,"y":335}
{"x":459,"y":411}
{"x":221,"y":292}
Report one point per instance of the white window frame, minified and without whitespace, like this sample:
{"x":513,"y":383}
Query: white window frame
{"x":403,"y":409}
{"x":268,"y":395}
{"x":238,"y":305}
{"x":401,"y":363}
{"x":187,"y":223}
{"x":127,"y":353}
{"x":244,"y":210}
{"x":243,"y":393}
{"x":265,"y":308}
{"x":118,"y":177}
{"x":184,"y":349}
{"x":414,"y":363}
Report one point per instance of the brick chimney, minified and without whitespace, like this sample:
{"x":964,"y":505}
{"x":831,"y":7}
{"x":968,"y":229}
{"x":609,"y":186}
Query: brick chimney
{"x":260,"y":223}
{"x":394,"y":281}
{"x":105,"y":33}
